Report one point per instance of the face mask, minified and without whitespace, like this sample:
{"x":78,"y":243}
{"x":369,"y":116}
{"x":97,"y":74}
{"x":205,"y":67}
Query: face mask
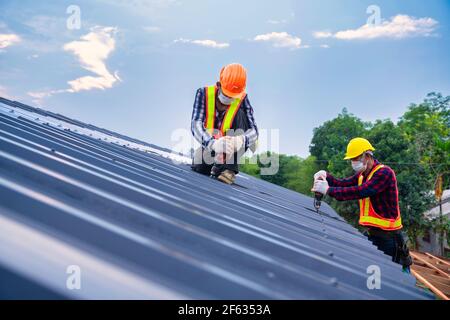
{"x":225,"y":100}
{"x":359,"y":166}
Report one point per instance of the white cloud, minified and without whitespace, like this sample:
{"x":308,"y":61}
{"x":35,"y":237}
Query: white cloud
{"x":204,"y":43}
{"x":325,"y":46}
{"x":322,"y":34}
{"x":92,"y":51}
{"x":400,"y":26}
{"x":8,"y":39}
{"x":280,"y":40}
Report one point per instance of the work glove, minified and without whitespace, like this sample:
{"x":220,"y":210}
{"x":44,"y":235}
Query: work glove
{"x":320,"y":186}
{"x":322,"y":174}
{"x":222,"y":145}
{"x":237,"y":142}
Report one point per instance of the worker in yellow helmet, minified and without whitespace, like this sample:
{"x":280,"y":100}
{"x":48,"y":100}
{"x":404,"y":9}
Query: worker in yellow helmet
{"x":375,"y":186}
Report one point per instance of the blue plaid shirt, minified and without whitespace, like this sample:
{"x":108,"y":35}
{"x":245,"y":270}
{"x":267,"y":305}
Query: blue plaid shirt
{"x":198,"y":122}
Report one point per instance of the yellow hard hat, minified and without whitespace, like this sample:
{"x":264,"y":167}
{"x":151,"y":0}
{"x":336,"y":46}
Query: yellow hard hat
{"x":356,"y":147}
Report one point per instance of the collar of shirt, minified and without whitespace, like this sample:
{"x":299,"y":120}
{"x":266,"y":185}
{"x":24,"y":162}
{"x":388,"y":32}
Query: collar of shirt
{"x":375,"y":163}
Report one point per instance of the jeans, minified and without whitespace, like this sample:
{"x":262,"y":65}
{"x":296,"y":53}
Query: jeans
{"x":393,"y":244}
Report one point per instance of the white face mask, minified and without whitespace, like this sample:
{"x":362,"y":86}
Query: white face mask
{"x":225,"y":100}
{"x":359,"y":166}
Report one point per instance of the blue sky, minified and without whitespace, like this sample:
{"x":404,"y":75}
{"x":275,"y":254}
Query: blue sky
{"x":134,"y":66}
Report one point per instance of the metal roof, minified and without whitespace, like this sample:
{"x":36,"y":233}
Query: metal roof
{"x":139,"y":225}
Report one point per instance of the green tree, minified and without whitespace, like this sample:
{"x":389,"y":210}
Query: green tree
{"x":330,"y":140}
{"x":393,"y":148}
{"x":301,"y":180}
{"x":427,"y":126}
{"x":329,"y":145}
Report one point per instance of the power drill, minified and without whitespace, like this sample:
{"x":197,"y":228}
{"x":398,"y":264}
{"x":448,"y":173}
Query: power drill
{"x":318,"y":199}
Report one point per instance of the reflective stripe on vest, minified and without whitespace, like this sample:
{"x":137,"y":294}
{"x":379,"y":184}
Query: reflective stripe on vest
{"x":210,"y":106}
{"x":367,"y":214}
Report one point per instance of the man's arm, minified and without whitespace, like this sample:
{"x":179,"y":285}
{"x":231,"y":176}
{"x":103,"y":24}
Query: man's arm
{"x":345,"y":182}
{"x":251,"y":135}
{"x":379,"y":182}
{"x":198,"y":119}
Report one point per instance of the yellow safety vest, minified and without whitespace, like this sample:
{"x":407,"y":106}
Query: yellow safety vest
{"x":210,"y":106}
{"x":367,"y":214}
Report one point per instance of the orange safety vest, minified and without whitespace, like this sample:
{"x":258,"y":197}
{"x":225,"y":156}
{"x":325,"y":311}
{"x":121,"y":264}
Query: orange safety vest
{"x":368,"y":216}
{"x":210,"y":106}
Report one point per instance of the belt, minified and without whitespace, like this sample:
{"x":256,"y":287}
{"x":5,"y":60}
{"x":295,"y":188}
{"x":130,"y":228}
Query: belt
{"x":376,"y":232}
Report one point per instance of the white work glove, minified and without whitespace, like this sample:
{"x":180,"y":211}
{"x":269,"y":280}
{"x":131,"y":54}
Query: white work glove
{"x":222,"y":145}
{"x":237,"y":142}
{"x":320,"y":186}
{"x":322,"y":174}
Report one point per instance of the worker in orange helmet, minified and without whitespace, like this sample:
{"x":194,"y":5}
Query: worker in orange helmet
{"x":223,"y":123}
{"x":375,"y":186}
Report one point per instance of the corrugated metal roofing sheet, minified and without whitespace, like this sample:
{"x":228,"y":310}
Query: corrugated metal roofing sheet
{"x":139,"y":225}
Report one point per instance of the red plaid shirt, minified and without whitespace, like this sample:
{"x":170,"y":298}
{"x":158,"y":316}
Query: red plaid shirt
{"x":381,"y":188}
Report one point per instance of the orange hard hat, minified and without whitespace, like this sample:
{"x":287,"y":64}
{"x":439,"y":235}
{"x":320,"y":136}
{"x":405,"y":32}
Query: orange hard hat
{"x":233,"y":80}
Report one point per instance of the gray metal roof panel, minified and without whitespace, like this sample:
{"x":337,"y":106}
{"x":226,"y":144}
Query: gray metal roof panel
{"x":188,"y":233}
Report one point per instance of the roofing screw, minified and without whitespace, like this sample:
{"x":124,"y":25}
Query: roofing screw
{"x":331,"y":254}
{"x":52,"y":150}
{"x":11,"y":111}
{"x":334,"y":282}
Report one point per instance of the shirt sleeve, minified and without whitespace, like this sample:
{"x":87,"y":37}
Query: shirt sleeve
{"x":251,"y":135}
{"x":345,"y":182}
{"x":198,"y":119}
{"x":378,"y":183}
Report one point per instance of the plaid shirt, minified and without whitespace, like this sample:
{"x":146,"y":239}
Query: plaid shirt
{"x":198,"y":122}
{"x":381,"y":188}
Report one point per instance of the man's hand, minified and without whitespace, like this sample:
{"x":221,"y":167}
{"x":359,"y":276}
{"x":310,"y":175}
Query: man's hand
{"x":320,"y":175}
{"x":222,"y":145}
{"x":320,"y":186}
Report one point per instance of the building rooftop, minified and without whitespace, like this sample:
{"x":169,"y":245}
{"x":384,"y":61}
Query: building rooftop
{"x":137,"y":224}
